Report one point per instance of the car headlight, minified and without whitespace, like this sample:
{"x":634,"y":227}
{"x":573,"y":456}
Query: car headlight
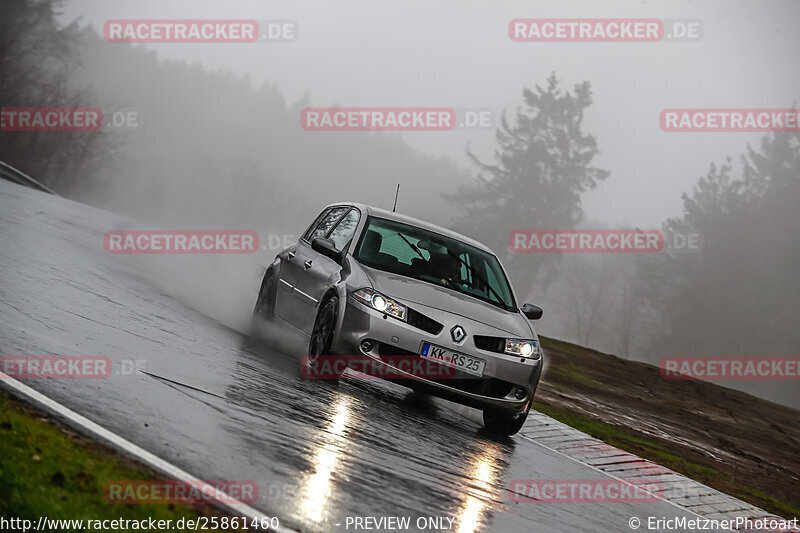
{"x":381,"y":303}
{"x":523,"y":348}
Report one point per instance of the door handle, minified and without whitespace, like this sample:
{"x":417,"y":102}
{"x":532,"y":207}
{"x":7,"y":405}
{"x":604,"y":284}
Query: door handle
{"x":291,"y":254}
{"x":307,"y":264}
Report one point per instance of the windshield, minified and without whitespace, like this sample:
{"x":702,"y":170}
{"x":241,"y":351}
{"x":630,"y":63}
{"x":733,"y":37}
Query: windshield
{"x":420,"y":254}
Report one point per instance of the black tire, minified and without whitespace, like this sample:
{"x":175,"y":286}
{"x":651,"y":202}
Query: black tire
{"x":322,"y":334}
{"x":265,"y":304}
{"x":503,"y":422}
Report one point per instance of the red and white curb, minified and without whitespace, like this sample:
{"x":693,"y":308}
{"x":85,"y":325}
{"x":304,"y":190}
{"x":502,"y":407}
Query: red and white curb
{"x":668,"y":485}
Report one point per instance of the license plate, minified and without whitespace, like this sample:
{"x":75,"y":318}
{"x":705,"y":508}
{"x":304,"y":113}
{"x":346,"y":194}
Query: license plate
{"x":459,"y":361}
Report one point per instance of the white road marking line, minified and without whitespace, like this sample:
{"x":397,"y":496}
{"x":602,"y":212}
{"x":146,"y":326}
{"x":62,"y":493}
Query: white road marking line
{"x":233,"y":505}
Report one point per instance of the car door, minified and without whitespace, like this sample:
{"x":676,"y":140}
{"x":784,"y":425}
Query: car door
{"x":286,"y":280}
{"x":292,"y":264}
{"x":320,"y":272}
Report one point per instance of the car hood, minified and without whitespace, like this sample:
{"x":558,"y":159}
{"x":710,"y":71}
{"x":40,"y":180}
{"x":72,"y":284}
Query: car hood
{"x":411,"y":291}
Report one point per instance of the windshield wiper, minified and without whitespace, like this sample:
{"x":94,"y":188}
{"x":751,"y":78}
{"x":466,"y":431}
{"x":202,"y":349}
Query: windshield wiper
{"x":412,"y":245}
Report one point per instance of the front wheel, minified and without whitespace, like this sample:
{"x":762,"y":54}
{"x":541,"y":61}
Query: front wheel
{"x":503,"y":422}
{"x":322,"y":333}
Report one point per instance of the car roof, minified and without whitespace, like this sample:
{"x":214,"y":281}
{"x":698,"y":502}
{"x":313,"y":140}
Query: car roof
{"x":389,"y":215}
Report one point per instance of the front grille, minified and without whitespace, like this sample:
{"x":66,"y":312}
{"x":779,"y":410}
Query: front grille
{"x":490,"y":344}
{"x":418,"y":320}
{"x":491,"y":387}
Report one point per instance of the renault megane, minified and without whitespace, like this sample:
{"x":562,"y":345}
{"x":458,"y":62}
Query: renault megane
{"x":368,"y":282}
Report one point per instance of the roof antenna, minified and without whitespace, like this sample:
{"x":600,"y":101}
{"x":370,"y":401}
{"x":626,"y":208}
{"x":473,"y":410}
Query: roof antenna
{"x":396,"y":194}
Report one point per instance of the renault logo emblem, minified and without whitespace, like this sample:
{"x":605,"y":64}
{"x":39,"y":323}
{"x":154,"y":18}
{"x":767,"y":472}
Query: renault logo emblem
{"x":458,"y":333}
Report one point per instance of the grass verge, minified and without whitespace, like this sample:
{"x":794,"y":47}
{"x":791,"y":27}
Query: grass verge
{"x":47,"y":470}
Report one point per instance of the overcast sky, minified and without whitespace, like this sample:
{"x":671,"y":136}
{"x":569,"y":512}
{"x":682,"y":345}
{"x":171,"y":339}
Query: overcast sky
{"x":457,"y":53}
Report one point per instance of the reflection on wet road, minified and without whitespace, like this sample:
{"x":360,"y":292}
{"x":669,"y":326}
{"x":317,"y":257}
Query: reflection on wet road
{"x":223,"y":405}
{"x":316,"y":490}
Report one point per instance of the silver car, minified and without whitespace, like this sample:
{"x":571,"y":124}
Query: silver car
{"x":367,"y":283}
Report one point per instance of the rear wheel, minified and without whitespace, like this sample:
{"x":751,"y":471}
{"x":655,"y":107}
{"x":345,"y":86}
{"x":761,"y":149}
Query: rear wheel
{"x":503,"y":422}
{"x":322,"y":334}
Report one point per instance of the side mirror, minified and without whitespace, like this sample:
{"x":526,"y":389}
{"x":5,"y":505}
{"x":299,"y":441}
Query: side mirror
{"x":327,"y":248}
{"x":533,"y":312}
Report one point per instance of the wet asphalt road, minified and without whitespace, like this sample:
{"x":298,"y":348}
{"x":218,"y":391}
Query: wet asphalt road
{"x":222,"y":405}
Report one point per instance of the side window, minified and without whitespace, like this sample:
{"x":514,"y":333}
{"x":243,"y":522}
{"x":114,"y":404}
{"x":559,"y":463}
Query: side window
{"x":345,"y":230}
{"x":326,"y":223}
{"x":313,"y":225}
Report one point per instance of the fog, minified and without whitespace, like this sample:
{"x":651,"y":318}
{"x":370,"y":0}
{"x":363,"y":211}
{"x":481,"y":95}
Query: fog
{"x":216,"y":142}
{"x":458,"y":54}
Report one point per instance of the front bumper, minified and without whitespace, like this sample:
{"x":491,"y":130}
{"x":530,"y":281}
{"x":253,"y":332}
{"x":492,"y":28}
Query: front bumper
{"x":503,"y":375}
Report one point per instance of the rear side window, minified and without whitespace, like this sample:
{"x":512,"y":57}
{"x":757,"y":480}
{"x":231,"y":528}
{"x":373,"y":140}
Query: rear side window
{"x":345,"y":229}
{"x":325,"y":223}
